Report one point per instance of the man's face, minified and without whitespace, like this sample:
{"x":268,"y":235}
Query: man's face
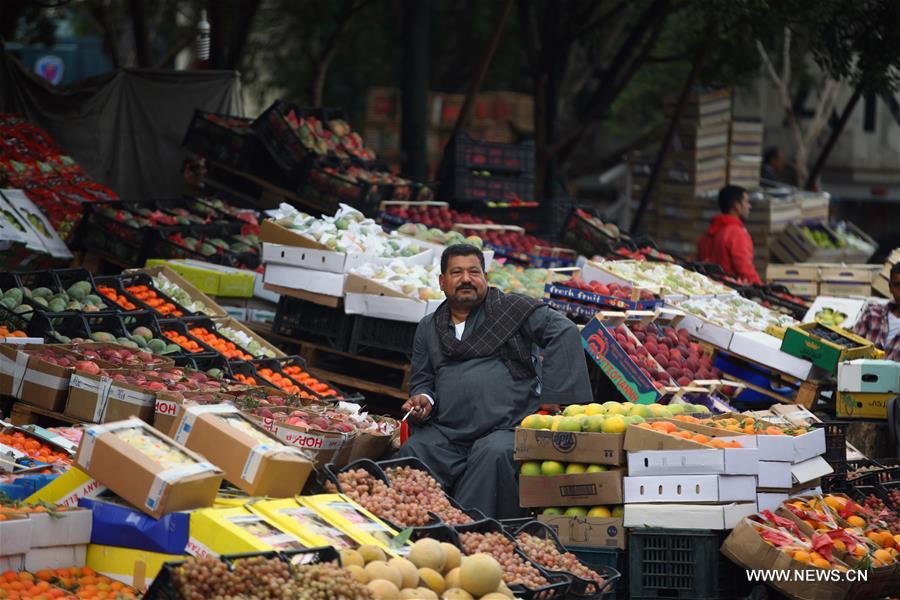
{"x":777,"y":161}
{"x":464,"y":283}
{"x":744,"y":207}
{"x":895,"y":287}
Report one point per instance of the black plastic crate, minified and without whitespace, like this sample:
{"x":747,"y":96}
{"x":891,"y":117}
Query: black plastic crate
{"x":559,"y":584}
{"x":370,"y":334}
{"x":680,"y":563}
{"x":223,"y":138}
{"x":99,"y":231}
{"x":206,"y":362}
{"x":581,"y":588}
{"x":835,"y":444}
{"x":246,"y":369}
{"x":325,"y":185}
{"x":18,"y":321}
{"x":164,"y":244}
{"x":467,"y":186}
{"x":206,"y":323}
{"x":107,"y":323}
{"x":177,"y":326}
{"x":469,"y":153}
{"x":286,"y":146}
{"x":835,"y":483}
{"x":57,"y":328}
{"x":883,"y":491}
{"x":309,"y":321}
{"x":598,"y":558}
{"x":130,"y":280}
{"x":414,"y":463}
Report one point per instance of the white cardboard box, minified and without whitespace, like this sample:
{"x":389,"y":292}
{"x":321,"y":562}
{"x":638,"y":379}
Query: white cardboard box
{"x":766,"y":350}
{"x":260,"y":291}
{"x":707,"y":331}
{"x":23,"y":232}
{"x":809,"y":470}
{"x":15,"y":535}
{"x":55,"y":557}
{"x":69,"y":528}
{"x":688,"y":516}
{"x":328,"y":260}
{"x":775,"y":475}
{"x":299,"y":278}
{"x":385,"y":307}
{"x":852,"y":307}
{"x":46,"y":233}
{"x":689,"y":488}
{"x":728,"y":461}
{"x":770,"y":500}
{"x":794,"y":449}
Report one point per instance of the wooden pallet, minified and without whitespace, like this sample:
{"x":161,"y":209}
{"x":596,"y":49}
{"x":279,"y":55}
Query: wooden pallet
{"x":363,"y":373}
{"x":23,"y":413}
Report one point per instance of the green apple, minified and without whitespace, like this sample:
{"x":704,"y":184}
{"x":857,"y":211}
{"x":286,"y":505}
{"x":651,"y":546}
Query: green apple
{"x":699,"y":409}
{"x":596,"y":469}
{"x":576,"y":511}
{"x":536,"y":422}
{"x":552,"y":511}
{"x":618,"y":511}
{"x":599,"y":511}
{"x":676,"y":409}
{"x":530,"y":469}
{"x":594,"y":409}
{"x":641,"y":410}
{"x":595,"y":423}
{"x":575,"y":468}
{"x":569,"y":424}
{"x":635,"y":419}
{"x":573,"y":409}
{"x":551,"y":467}
{"x":614,"y":424}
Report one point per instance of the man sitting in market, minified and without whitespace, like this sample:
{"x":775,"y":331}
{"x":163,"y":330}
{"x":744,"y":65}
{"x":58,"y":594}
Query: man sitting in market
{"x":476,"y":374}
{"x":727,"y":242}
{"x":880,"y":323}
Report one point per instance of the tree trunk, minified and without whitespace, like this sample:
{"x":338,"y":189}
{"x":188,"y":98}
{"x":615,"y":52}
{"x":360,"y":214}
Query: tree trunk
{"x":673,"y":126}
{"x":416,"y":56}
{"x":141,"y":41}
{"x":832,"y":139}
{"x":217,"y":34}
{"x":245,"y":12}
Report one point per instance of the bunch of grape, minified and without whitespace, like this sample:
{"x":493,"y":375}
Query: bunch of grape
{"x":516,"y":570}
{"x":202,"y":578}
{"x":381,"y":499}
{"x":876,"y":505}
{"x":894,"y":497}
{"x":265,"y":579}
{"x":419,"y":484}
{"x":325,"y":581}
{"x":545,"y":553}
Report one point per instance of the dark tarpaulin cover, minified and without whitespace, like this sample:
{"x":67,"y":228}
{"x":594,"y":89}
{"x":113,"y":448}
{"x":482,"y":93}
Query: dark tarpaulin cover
{"x":124,"y":128}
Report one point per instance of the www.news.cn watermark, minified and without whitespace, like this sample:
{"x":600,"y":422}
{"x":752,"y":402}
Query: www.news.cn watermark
{"x":806,"y":575}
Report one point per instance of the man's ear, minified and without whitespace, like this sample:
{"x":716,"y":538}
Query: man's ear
{"x":441,"y":280}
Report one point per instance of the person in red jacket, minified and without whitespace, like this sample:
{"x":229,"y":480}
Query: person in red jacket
{"x":727,"y":242}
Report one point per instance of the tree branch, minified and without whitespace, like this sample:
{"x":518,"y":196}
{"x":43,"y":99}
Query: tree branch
{"x":592,"y":23}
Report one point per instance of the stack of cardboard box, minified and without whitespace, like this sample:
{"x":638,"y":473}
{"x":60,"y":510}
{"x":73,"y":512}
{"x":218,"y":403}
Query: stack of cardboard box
{"x":680,"y":484}
{"x":745,"y":153}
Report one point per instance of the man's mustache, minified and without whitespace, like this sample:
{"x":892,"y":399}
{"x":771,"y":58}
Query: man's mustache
{"x":466,"y":286}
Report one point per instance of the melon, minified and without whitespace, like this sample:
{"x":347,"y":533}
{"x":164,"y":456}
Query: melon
{"x":358,"y":573}
{"x":452,"y":579}
{"x":408,"y":572}
{"x":433,"y":580}
{"x":429,"y":554}
{"x":371,"y":553}
{"x":382,"y":589}
{"x":456,"y":594}
{"x":381,"y":570}
{"x":480,"y":574}
{"x":453,"y":557}
{"x":352,"y":557}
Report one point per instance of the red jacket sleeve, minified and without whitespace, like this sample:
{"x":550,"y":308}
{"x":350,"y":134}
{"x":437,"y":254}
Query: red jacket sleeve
{"x":741,"y":248}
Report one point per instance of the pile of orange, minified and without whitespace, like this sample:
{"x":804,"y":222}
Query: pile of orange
{"x":749,"y":426}
{"x":669,"y":428}
{"x":183,"y":341}
{"x":34,"y":448}
{"x":226,"y":348}
{"x":85,"y":583}
{"x":6,"y":332}
{"x":149,"y":297}
{"x":284,"y":383}
{"x":245,"y":379}
{"x":297,"y":373}
{"x":119,"y":299}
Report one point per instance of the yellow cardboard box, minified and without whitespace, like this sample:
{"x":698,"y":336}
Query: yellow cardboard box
{"x":66,"y":489}
{"x":352,"y":518}
{"x":307,"y":524}
{"x":217,"y":531}
{"x":137,"y":568}
{"x":861,"y":405}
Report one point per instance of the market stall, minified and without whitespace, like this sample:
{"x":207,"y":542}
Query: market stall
{"x":229,"y":359}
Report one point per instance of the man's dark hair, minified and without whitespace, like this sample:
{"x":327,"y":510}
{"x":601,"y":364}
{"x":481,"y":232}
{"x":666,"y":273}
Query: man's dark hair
{"x":729,"y":196}
{"x":460,"y":250}
{"x":770,"y":153}
{"x":895,"y":270}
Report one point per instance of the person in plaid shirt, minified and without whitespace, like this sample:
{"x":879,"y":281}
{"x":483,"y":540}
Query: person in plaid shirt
{"x":880,"y":323}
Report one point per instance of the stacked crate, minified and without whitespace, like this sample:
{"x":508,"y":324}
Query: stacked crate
{"x":694,"y":171}
{"x":745,"y":153}
{"x":496,"y":117}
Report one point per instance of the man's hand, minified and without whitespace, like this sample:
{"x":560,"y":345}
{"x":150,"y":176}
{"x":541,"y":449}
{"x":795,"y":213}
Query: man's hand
{"x":420,"y":406}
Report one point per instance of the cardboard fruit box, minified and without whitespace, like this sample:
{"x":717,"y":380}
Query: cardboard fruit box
{"x":33,"y":380}
{"x":151,"y":486}
{"x":137,"y":568}
{"x":168,"y":405}
{"x":579,"y":489}
{"x":567,"y":446}
{"x":100,"y":399}
{"x":325,"y":446}
{"x":218,"y":531}
{"x":252,"y":458}
{"x":214,"y":310}
{"x":862,"y":405}
{"x":362,"y":525}
{"x":688,"y":516}
{"x":686,"y":489}
{"x":806,"y":341}
{"x":588,"y":532}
